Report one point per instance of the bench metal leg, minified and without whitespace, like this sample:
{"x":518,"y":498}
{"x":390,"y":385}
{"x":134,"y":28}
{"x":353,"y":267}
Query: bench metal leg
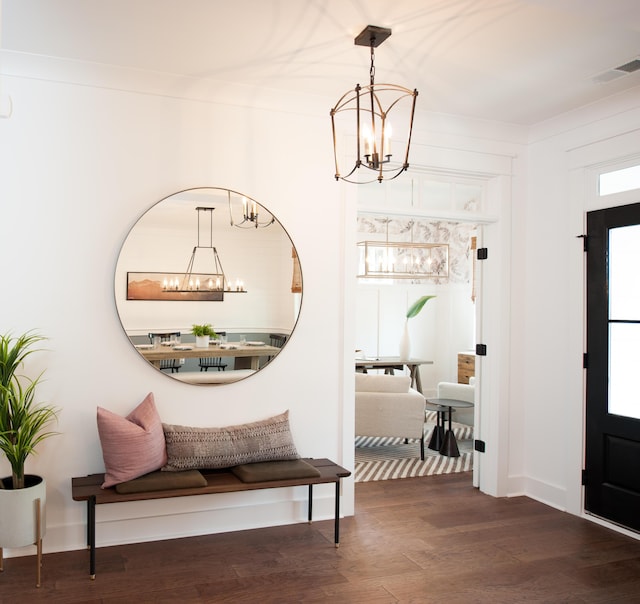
{"x":336,"y":529}
{"x":336,"y":538}
{"x":91,"y":535}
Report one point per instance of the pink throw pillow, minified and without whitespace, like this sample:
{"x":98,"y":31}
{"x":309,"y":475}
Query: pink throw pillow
{"x":132,"y":445}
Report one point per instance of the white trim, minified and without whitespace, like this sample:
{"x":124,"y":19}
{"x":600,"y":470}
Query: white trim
{"x":601,"y":156}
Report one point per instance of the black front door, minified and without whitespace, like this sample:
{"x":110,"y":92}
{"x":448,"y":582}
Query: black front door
{"x":612,"y":489}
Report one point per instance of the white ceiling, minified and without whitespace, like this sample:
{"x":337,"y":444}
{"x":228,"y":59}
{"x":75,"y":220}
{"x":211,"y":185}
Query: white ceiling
{"x":518,"y":61}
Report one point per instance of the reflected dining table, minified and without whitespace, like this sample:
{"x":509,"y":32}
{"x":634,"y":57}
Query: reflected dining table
{"x":390,"y":364}
{"x":246,"y":356}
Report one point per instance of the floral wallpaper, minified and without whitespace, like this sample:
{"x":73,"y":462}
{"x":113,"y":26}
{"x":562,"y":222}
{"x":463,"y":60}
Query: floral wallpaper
{"x":457,"y":235}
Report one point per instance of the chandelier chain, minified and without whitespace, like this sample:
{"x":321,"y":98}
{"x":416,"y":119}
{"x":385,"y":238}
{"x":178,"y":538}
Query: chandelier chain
{"x":372,"y":69}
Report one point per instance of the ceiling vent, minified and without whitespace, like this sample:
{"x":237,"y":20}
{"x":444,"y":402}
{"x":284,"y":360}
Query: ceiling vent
{"x":617,"y":72}
{"x":629,"y":67}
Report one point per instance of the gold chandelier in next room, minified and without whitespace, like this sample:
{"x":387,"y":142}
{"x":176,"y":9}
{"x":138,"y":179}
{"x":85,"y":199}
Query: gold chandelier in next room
{"x":380,"y":151}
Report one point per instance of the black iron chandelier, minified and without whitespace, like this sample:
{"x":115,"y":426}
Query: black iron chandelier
{"x":371,"y":105}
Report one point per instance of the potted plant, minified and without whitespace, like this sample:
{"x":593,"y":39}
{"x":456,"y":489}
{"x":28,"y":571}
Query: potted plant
{"x":405,"y":341}
{"x":24,"y":423}
{"x":202,"y":334}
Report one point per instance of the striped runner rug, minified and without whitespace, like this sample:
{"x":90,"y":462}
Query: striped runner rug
{"x":386,"y":458}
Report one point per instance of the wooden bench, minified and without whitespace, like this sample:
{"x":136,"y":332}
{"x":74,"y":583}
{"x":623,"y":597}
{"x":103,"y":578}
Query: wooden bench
{"x":87,"y":488}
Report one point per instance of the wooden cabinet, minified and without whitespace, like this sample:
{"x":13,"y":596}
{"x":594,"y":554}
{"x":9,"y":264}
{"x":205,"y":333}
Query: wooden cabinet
{"x":466,"y":367}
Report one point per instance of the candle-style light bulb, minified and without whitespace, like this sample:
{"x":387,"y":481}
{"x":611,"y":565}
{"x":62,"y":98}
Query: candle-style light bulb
{"x":367,"y":141}
{"x":388,"y":131}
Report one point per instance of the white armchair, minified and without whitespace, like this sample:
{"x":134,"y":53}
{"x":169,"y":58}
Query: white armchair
{"x":386,"y":405}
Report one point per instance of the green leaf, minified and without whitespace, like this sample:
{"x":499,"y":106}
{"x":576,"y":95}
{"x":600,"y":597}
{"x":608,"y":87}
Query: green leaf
{"x":24,"y":422}
{"x":416,"y":307}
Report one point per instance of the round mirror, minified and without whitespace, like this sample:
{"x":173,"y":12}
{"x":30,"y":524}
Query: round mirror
{"x":208,"y":286}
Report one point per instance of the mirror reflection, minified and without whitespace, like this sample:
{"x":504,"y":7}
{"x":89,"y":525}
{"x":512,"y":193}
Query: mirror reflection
{"x":208,"y":286}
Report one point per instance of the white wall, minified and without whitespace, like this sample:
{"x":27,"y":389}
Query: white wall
{"x":79,"y":165}
{"x":548,"y":300}
{"x":88,"y":149}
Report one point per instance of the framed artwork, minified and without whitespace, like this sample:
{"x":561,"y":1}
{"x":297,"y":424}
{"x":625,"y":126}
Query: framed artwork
{"x":177,"y":287}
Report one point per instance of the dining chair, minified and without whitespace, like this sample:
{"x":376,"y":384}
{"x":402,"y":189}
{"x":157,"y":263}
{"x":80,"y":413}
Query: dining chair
{"x":278,"y":340}
{"x":206,"y":363}
{"x":172,"y":365}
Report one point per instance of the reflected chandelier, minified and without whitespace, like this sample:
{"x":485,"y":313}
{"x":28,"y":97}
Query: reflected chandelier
{"x":211,"y":285}
{"x":371,"y":106}
{"x":250,"y":214}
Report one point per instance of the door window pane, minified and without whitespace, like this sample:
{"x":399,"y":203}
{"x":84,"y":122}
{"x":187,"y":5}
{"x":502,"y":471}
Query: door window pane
{"x":624,"y":308}
{"x":624,"y":361}
{"x":618,"y":181}
{"x":624,"y":273}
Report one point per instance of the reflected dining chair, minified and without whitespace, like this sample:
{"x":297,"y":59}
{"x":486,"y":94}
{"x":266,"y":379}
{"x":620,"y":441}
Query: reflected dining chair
{"x":278,"y":340}
{"x":205,"y":363}
{"x":171,"y":364}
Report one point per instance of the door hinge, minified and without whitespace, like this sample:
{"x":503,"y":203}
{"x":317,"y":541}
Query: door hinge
{"x":585,"y":242}
{"x":482,"y":253}
{"x":479,"y":446}
{"x":584,"y":478}
{"x":585,"y":360}
{"x":481,"y":350}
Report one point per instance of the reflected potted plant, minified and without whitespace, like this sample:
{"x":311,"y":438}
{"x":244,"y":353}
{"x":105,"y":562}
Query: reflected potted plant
{"x":405,"y":341}
{"x":203,"y":333}
{"x":24,"y":423}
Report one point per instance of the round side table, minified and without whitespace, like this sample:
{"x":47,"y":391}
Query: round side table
{"x":448,"y":446}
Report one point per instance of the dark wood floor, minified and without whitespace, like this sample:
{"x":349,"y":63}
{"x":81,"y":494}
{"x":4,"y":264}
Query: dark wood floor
{"x":433,"y":539}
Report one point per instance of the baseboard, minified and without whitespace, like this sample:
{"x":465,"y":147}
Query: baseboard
{"x":157,"y":520}
{"x":546,"y":493}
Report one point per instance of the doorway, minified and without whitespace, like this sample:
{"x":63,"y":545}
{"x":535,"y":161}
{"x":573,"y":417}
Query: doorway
{"x":612,"y":440}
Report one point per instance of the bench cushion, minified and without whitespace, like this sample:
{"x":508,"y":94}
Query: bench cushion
{"x":275,"y":470}
{"x":163,"y":481}
{"x":212,"y":448}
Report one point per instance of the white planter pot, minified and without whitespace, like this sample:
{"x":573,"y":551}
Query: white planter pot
{"x":19,"y":517}
{"x":202,"y":341}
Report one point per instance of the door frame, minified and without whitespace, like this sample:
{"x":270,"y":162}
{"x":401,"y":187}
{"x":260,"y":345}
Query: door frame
{"x":599,"y":421}
{"x":491,"y":468}
{"x":584,"y":165}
